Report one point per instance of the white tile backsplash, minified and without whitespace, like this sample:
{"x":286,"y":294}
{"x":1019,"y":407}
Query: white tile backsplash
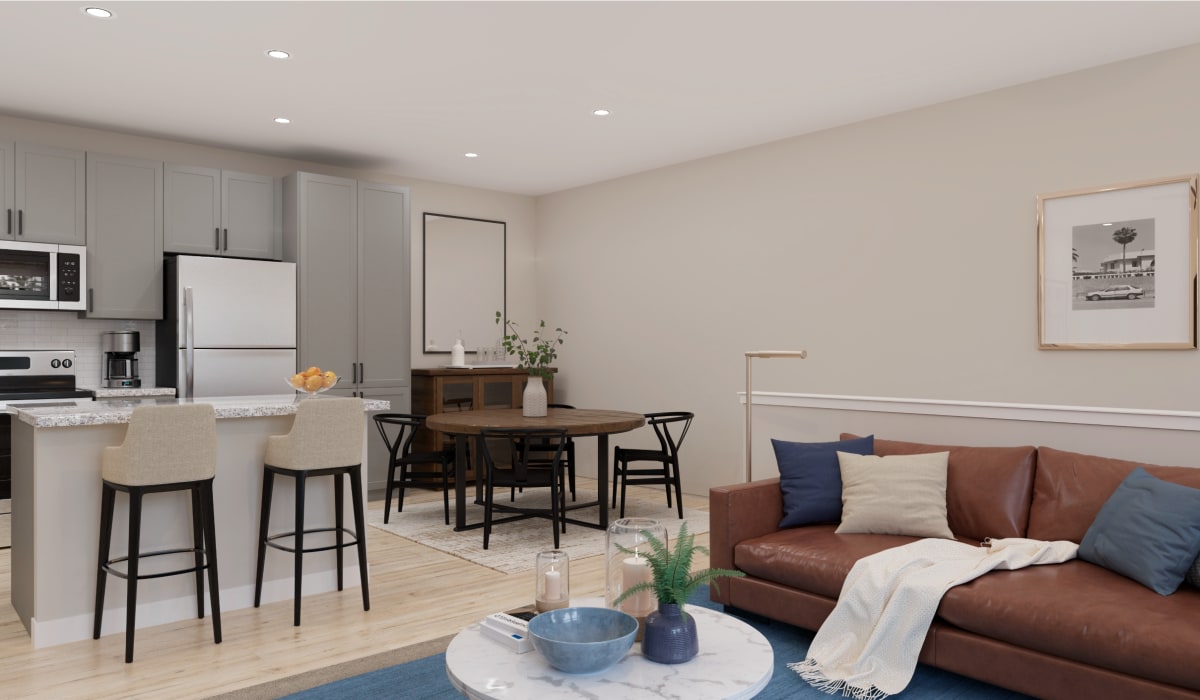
{"x":64,"y":330}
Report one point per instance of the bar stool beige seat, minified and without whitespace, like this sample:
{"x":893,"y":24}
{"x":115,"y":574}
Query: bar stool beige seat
{"x":166,"y":448}
{"x":326,"y":440}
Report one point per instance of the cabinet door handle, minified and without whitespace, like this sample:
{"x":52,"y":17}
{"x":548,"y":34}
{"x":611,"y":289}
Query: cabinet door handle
{"x":20,"y":222}
{"x":217,"y":242}
{"x":91,"y":296}
{"x":226,"y":240}
{"x":354,"y":373}
{"x":362,"y":372}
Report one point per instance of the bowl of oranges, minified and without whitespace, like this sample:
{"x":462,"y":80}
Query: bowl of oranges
{"x":313,"y":380}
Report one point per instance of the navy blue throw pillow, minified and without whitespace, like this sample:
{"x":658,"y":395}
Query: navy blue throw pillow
{"x":811,"y":479}
{"x":1148,"y":530}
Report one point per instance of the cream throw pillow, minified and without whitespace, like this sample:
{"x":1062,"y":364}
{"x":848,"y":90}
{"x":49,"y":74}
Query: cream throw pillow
{"x":894,"y":495}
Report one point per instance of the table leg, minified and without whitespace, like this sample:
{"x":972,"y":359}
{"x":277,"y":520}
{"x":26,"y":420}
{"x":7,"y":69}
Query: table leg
{"x":460,"y":482}
{"x":602,"y":477}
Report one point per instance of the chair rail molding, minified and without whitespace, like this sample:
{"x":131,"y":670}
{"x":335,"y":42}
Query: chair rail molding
{"x":1040,"y":413}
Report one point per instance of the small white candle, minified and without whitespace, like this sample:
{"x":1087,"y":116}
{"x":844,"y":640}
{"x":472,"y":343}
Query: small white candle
{"x":552,"y":585}
{"x":636,"y":570}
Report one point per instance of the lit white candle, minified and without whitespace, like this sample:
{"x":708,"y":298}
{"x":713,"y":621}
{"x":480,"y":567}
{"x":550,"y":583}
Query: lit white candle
{"x":552,"y":585}
{"x":636,"y":570}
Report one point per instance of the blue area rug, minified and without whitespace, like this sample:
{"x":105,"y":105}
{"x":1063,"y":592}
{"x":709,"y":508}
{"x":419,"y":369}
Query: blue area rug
{"x":425,"y":679}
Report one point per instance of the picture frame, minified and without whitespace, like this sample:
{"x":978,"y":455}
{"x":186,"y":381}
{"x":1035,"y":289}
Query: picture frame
{"x":1117,"y":267}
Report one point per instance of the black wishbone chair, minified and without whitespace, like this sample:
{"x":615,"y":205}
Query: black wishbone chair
{"x":529,"y":468}
{"x":671,"y":428}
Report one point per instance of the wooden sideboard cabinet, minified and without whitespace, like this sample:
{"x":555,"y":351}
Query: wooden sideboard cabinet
{"x":439,"y":390}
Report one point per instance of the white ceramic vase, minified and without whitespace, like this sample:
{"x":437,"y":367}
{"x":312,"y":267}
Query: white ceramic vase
{"x":533,"y":401}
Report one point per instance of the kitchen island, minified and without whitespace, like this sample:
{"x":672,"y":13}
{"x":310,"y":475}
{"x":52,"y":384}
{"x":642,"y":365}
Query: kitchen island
{"x":56,"y":517}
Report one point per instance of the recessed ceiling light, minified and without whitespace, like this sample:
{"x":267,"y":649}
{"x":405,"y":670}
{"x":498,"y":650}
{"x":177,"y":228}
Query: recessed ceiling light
{"x":277,"y":53}
{"x":98,"y":12}
{"x":282,"y":120}
{"x":601,"y":112}
{"x":471,"y":155}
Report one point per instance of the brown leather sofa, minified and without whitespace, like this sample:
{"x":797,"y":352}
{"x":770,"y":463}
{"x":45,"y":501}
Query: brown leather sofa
{"x":1070,"y":631}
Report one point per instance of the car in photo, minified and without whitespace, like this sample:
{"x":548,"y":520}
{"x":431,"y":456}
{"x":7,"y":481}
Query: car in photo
{"x":1117,"y":291}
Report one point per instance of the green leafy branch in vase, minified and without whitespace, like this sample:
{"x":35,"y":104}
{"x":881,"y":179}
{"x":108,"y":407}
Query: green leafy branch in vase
{"x":534,"y":354}
{"x":673,"y":580}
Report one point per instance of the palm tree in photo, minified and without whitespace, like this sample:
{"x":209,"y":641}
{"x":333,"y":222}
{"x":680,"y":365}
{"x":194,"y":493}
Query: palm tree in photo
{"x":1074,"y":258}
{"x":1124,"y":236}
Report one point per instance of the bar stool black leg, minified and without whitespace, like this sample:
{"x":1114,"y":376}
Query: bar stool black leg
{"x":264,"y":518}
{"x":360,"y":531}
{"x":198,"y":545}
{"x":210,"y":556}
{"x":135,"y":533}
{"x":108,"y":497}
{"x":339,"y":512}
{"x":300,"y":477}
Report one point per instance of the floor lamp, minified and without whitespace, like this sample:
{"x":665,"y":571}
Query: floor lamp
{"x":800,"y":354}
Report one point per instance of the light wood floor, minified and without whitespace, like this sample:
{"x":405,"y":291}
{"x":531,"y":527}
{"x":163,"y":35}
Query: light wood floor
{"x":417,"y":594}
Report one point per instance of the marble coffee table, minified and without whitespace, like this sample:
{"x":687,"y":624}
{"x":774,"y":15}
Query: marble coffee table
{"x":735,"y":661}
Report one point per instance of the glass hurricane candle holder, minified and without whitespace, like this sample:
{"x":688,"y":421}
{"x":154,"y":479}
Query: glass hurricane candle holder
{"x":626,"y":565}
{"x":553,"y":580}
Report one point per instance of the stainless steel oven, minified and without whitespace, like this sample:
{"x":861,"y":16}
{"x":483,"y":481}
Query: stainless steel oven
{"x":33,"y":378}
{"x":42,"y":276}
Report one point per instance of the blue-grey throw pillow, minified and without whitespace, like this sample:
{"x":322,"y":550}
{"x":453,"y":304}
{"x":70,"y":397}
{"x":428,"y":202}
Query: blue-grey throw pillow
{"x":811,"y":480}
{"x":1148,"y":530}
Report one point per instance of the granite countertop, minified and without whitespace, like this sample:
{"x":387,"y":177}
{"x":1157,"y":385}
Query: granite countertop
{"x":116,"y":411}
{"x":128,"y":392}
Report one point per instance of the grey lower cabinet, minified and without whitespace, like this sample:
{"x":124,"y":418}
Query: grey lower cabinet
{"x":125,"y":237}
{"x":350,"y":241}
{"x":222,"y":212}
{"x":42,"y":192}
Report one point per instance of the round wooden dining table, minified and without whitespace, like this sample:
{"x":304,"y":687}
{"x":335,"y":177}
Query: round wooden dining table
{"x":578,"y":422}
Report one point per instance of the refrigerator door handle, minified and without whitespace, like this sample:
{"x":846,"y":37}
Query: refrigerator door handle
{"x":189,"y":334}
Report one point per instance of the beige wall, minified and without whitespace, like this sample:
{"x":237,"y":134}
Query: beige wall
{"x":900,"y":252}
{"x":517,"y":210}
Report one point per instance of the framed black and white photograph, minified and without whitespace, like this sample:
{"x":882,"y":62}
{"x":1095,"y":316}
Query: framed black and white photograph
{"x":1117,"y":267}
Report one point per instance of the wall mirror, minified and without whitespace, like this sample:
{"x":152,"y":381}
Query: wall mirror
{"x":464,"y":281}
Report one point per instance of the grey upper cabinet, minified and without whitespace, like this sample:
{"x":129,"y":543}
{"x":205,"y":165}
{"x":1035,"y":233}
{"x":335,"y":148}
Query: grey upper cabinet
{"x":384,"y":284}
{"x":125,"y":237}
{"x":221,"y":212}
{"x":320,"y":223}
{"x":350,"y":241}
{"x":43,"y":194}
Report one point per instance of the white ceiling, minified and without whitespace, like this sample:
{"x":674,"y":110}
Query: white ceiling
{"x":409,"y":87}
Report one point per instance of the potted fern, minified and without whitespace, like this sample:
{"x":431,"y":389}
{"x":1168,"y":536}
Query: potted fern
{"x":670,"y":634}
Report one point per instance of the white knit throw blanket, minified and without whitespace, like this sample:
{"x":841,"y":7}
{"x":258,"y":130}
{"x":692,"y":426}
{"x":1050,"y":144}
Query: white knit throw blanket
{"x":868,"y":646}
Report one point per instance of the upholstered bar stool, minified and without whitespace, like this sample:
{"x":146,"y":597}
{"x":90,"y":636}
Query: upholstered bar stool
{"x":166,"y":448}
{"x":326,"y":440}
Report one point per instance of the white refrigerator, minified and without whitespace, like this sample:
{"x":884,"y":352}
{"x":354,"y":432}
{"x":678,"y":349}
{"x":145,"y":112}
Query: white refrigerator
{"x":230,"y":327}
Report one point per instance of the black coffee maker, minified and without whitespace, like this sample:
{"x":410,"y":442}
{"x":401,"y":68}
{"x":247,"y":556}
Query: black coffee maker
{"x":120,"y":359}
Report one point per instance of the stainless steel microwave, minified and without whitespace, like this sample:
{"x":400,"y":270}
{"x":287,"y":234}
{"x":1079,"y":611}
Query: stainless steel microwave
{"x":42,"y":276}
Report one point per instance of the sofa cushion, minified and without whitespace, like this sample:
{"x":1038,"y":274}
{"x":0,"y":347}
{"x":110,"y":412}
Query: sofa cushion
{"x":894,"y":495}
{"x":812,"y":558}
{"x":1070,"y":489}
{"x":811,"y":480}
{"x":987,"y":488}
{"x":1085,"y":613}
{"x":1148,"y":530}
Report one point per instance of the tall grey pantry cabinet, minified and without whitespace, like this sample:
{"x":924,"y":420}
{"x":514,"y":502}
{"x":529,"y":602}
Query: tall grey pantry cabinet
{"x":41,"y":193}
{"x":222,"y":212}
{"x":350,"y":242}
{"x":125,"y":237}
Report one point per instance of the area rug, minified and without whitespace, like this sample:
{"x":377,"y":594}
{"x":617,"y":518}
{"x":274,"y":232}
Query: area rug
{"x":425,"y":679}
{"x":394,"y":658}
{"x":514,"y":546}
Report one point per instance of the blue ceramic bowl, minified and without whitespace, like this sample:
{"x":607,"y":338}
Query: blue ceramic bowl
{"x":583,"y":640}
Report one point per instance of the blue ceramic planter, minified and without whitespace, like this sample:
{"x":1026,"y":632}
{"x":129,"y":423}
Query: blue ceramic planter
{"x":670,"y":636}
